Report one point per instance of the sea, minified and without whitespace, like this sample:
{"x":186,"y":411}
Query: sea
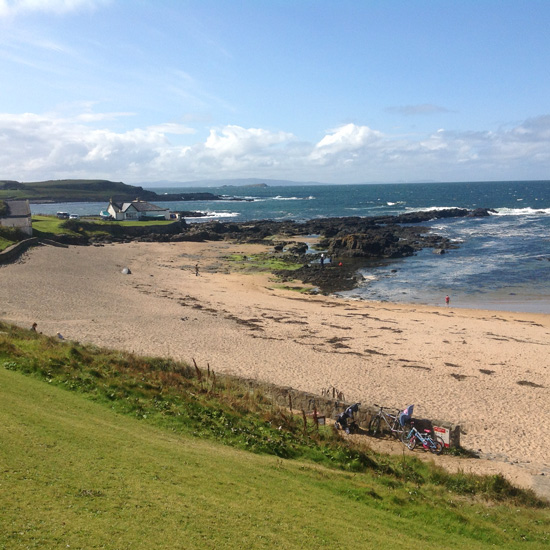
{"x":502,"y":261}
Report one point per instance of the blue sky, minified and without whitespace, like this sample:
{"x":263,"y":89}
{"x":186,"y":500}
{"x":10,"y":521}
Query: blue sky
{"x":307,"y":90}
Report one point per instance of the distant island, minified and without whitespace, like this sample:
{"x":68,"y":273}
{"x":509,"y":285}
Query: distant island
{"x":227,"y":182}
{"x":92,"y":191}
{"x":255,"y":185}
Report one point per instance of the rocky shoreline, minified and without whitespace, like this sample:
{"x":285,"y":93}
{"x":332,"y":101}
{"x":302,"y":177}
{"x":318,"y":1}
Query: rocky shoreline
{"x":351,"y":242}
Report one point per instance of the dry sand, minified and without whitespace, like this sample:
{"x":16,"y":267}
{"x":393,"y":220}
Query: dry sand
{"x":487,"y":371}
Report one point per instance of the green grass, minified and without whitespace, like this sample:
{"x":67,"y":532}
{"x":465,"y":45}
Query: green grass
{"x":264,"y":262}
{"x":5,"y":243}
{"x":10,"y":236}
{"x":51,"y":226}
{"x":145,"y":452}
{"x":69,"y":190}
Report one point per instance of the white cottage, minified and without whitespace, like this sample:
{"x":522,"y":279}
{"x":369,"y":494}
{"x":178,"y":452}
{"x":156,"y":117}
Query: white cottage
{"x":137,"y":210}
{"x":18,"y":216}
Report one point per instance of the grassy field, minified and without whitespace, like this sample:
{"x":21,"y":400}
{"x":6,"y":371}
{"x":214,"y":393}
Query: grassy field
{"x":102,"y":449}
{"x":51,"y":226}
{"x":70,"y":190}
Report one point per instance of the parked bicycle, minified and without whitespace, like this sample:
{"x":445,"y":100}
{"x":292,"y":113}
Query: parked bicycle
{"x":411,"y":438}
{"x":385,"y":421}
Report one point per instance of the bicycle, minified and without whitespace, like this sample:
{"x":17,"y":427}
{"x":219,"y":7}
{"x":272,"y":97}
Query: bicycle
{"x":412,"y":437}
{"x":391,"y":420}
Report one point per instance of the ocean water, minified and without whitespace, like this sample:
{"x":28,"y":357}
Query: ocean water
{"x":502,"y":263}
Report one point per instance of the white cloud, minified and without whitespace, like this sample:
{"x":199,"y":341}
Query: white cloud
{"x":237,"y":141}
{"x":59,"y":7}
{"x":346,"y":140}
{"x":51,"y":146}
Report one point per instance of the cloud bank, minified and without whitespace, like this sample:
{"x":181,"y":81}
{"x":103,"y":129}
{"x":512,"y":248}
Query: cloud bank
{"x":49,"y":146}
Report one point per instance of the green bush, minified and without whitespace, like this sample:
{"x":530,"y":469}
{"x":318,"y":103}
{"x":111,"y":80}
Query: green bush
{"x":12,"y":234}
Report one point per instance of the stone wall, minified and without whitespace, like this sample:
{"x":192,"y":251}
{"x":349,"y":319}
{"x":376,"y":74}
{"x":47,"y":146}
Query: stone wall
{"x":330,"y":407}
{"x":13,"y":252}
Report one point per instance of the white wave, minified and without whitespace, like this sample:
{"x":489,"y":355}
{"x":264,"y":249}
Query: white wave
{"x":209,"y":215}
{"x":280,"y":198}
{"x":428,"y":208}
{"x":227,"y":198}
{"x":522,"y":211}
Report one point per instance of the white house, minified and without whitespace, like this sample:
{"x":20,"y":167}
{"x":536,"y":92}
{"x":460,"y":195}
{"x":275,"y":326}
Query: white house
{"x":137,"y":210}
{"x":18,"y":216}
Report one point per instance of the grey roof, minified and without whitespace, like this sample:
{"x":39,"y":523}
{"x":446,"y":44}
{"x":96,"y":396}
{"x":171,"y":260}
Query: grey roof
{"x":142,"y":206}
{"x":18,"y":209}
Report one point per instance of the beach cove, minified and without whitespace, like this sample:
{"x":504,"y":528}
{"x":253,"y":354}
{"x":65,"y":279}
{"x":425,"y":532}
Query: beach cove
{"x":485,"y":370}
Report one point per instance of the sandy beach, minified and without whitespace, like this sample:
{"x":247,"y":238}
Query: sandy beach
{"x":485,"y":370}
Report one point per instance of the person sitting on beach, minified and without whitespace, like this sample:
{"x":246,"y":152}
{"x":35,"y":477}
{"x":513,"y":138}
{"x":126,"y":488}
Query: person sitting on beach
{"x":343,"y":418}
{"x":33,"y":328}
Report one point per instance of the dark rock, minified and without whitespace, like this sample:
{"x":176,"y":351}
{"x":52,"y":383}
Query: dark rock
{"x":482,"y":212}
{"x":298,"y":248}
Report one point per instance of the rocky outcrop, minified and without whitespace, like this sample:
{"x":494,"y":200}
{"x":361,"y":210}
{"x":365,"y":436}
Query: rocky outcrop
{"x":352,"y":242}
{"x":372,"y":243}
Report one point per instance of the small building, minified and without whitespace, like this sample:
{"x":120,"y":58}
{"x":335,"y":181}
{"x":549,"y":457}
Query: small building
{"x":18,"y":216}
{"x":137,"y":210}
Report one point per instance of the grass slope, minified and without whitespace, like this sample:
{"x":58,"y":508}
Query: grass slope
{"x":76,"y":473}
{"x":73,"y":190}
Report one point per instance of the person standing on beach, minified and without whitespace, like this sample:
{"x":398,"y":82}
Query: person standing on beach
{"x":322,"y":260}
{"x":447,"y":300}
{"x":197,"y":269}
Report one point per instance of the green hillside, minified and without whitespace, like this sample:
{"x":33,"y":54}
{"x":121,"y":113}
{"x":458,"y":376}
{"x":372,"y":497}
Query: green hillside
{"x":73,"y":191}
{"x":75,"y":472}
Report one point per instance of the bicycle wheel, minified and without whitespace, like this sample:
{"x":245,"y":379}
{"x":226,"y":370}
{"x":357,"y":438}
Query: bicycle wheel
{"x":374,"y":426}
{"x":399,"y":432}
{"x":411,"y":442}
{"x":403,"y":436}
{"x":438,"y":447}
{"x":408,"y":437}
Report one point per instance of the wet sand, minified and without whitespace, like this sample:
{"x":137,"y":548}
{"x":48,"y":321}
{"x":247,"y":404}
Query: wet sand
{"x":485,"y":370}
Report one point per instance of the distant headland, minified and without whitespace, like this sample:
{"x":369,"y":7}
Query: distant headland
{"x":73,"y":190}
